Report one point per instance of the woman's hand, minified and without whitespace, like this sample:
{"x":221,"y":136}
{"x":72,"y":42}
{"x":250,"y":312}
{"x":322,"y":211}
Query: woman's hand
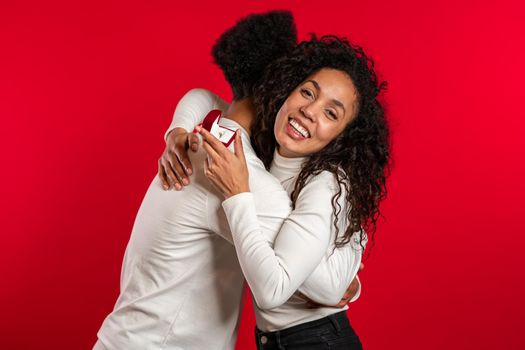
{"x":227,"y":171}
{"x":174,"y":164}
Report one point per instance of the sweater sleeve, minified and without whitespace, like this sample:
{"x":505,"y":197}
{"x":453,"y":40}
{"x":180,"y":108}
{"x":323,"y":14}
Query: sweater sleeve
{"x":275,"y":273}
{"x":329,"y":281}
{"x":193,"y":107}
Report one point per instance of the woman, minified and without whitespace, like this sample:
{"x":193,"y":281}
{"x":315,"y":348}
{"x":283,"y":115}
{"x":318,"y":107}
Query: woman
{"x":322,"y":132}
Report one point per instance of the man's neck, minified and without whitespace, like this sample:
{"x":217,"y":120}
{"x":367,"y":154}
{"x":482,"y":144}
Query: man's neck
{"x":242,"y":112}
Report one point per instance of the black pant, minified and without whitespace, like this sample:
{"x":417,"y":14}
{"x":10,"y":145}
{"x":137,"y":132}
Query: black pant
{"x":331,"y":332}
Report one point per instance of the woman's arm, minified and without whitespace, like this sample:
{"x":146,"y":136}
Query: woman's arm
{"x":193,"y":107}
{"x":174,"y":165}
{"x":274,"y":274}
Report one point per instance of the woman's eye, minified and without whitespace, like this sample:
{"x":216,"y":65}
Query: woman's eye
{"x":331,"y":114}
{"x":306,"y":93}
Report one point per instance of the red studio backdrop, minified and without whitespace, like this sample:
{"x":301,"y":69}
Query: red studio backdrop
{"x":87,"y":89}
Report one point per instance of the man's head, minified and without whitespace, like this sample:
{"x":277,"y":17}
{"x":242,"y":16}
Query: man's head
{"x":246,"y":49}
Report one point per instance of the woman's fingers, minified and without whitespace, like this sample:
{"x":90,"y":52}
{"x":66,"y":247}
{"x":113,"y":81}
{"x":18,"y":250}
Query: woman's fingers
{"x":174,"y":164}
{"x":212,"y":154}
{"x":193,"y":142}
{"x":174,"y":180}
{"x":210,"y":174}
{"x":207,"y":170}
{"x":167,"y":177}
{"x":163,"y":177}
{"x":182,"y":143}
{"x":227,"y":172}
{"x":178,"y":173}
{"x":217,"y":145}
{"x":180,"y":156}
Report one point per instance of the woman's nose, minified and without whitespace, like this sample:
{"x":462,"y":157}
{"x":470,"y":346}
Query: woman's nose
{"x":308,"y":112}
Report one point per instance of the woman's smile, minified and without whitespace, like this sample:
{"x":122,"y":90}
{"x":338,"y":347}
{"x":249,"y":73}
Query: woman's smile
{"x":296,"y":130}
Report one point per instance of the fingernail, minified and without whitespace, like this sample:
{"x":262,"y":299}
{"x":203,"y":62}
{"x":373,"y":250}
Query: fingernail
{"x":165,"y":187}
{"x":190,"y":171}
{"x":198,"y":128}
{"x":178,"y":187}
{"x":185,"y":181}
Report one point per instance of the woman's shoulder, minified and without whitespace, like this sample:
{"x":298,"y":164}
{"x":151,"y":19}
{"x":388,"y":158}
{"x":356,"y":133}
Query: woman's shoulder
{"x":320,"y":189}
{"x":327,"y":180}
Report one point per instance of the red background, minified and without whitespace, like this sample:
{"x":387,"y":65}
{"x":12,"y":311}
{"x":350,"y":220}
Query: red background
{"x":87,"y":90}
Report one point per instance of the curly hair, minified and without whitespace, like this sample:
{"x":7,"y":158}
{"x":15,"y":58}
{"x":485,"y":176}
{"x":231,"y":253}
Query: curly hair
{"x":359,"y":157}
{"x":244,"y":51}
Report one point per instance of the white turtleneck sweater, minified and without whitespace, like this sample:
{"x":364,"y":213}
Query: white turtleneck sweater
{"x":303,"y":255}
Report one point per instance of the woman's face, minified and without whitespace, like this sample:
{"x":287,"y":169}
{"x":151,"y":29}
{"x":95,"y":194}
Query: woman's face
{"x":315,"y":113}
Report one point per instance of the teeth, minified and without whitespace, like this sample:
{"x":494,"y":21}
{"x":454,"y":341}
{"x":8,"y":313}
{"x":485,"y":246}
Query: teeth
{"x":299,"y":128}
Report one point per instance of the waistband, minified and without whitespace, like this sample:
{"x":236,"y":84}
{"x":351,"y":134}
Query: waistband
{"x":335,"y":319}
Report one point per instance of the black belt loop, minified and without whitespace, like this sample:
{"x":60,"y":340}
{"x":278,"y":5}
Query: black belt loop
{"x":278,"y":340}
{"x":334,"y":322}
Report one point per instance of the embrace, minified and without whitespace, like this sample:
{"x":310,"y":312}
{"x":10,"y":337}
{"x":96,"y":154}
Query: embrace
{"x":288,"y":206}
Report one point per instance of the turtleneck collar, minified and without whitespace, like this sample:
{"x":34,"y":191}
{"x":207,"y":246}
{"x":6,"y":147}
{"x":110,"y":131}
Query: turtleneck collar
{"x":284,"y":168}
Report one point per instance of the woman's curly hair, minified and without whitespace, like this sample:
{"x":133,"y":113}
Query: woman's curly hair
{"x":359,"y":157}
{"x":246,"y":49}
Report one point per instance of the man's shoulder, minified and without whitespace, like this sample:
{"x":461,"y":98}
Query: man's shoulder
{"x":260,"y":178}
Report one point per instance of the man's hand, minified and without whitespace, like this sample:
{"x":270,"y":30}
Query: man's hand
{"x":351,"y":291}
{"x":174,"y":164}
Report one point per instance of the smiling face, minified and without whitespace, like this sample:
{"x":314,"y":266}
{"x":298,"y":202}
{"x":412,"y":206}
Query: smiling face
{"x":315,"y":113}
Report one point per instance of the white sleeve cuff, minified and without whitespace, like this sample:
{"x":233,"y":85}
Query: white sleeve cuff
{"x":240,"y":211}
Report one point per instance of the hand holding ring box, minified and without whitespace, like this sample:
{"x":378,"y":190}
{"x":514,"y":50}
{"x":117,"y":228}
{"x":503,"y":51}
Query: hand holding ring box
{"x":211,"y":123}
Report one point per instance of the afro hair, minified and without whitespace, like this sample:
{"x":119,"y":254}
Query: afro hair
{"x":244,"y":51}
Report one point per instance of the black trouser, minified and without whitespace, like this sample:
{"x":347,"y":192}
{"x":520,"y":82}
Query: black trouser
{"x":331,"y":332}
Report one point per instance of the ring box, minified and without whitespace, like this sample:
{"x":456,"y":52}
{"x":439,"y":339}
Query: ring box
{"x":211,"y":123}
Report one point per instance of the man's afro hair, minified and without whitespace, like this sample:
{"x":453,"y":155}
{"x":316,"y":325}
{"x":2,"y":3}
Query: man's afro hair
{"x":244,"y":51}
